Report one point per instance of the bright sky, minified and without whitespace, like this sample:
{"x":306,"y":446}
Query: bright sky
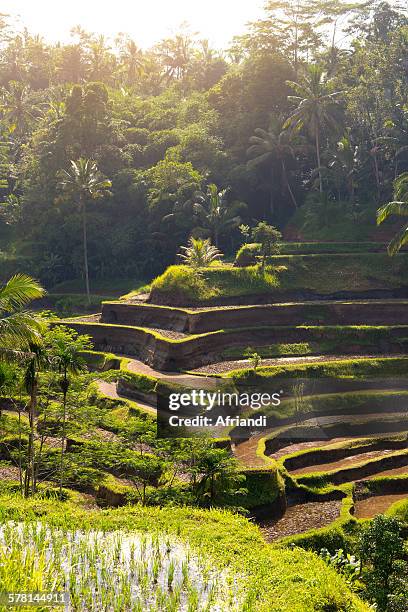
{"x":147,"y":21}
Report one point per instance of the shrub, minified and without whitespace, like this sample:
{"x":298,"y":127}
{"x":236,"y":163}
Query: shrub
{"x":181,"y":283}
{"x":269,"y":239}
{"x":246,"y":255}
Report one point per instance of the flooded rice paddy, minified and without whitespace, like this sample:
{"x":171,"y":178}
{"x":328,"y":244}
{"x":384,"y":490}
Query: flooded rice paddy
{"x":113,"y":571}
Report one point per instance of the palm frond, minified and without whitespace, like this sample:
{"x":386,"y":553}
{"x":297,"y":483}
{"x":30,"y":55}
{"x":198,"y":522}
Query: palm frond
{"x":392,"y":208}
{"x":398,"y":241}
{"x":19,"y":291}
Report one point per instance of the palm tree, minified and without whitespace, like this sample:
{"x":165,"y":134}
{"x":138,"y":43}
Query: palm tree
{"x":84,"y":181}
{"x":317,"y":106}
{"x":342,"y":167}
{"x":214,"y":211}
{"x":399,"y":207}
{"x":199,"y":253}
{"x":132,"y":59}
{"x":18,"y":327}
{"x":66,"y":348}
{"x":175,"y":55}
{"x":36,"y":359}
{"x":19,"y":109}
{"x":272,"y":147}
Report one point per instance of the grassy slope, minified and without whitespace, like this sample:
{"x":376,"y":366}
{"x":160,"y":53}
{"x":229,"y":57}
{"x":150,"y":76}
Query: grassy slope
{"x":357,"y":368}
{"x":324,"y":273}
{"x":277,"y":579}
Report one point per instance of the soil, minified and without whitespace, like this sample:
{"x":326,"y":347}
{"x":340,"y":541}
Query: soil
{"x":9,"y":472}
{"x":93,"y":318}
{"x":336,"y":465}
{"x":294,"y":448}
{"x":228,"y":366}
{"x":245,"y":452}
{"x":378,"y":504}
{"x":111,"y":391}
{"x":168,"y":333}
{"x":392,"y":472}
{"x":301,"y":518}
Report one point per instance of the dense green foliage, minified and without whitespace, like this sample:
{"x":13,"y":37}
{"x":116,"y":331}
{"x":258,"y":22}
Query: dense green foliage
{"x":168,"y":124}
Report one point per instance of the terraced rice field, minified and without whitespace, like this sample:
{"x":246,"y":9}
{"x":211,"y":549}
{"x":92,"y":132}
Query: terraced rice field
{"x":188,"y":347}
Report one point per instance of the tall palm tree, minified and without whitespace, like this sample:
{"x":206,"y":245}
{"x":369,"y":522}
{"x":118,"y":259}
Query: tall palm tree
{"x":18,"y":107}
{"x":399,"y":207}
{"x":272,"y":147}
{"x":317,"y":107}
{"x":132,"y":59}
{"x":84,"y":182}
{"x":36,"y":360}
{"x":18,"y":327}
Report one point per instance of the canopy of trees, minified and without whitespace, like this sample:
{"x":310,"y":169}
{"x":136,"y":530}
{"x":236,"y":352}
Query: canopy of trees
{"x":308,"y":109}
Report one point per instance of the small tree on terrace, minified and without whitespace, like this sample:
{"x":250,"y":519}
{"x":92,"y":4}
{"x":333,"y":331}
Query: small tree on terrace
{"x":84,"y":182}
{"x":199,"y":253}
{"x":269,"y":238}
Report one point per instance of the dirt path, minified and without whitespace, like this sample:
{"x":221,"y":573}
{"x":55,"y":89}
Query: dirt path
{"x":301,"y":518}
{"x":189,"y":380}
{"x":245,"y":452}
{"x":378,"y":504}
{"x":111,"y":391}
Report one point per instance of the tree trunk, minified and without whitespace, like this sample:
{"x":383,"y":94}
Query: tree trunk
{"x":65,"y":386}
{"x":20,"y":462}
{"x":271,"y":201}
{"x":29,"y":475}
{"x":212,"y":488}
{"x":85,"y":244}
{"x":285,"y":175}
{"x":377,"y":175}
{"x":318,"y":159}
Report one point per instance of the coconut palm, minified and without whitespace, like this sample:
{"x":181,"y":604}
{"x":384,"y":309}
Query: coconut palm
{"x":215,"y":213}
{"x":66,"y":349}
{"x":18,"y":107}
{"x":84,"y":182}
{"x":399,"y":207}
{"x":317,"y":107}
{"x":36,"y":360}
{"x":273,"y":147}
{"x":18,"y":327}
{"x":212,"y":210}
{"x":132,"y":59}
{"x":199,"y":253}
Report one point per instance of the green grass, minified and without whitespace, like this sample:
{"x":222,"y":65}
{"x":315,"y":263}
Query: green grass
{"x":270,"y":578}
{"x":305,"y":248}
{"x":181,"y":284}
{"x":317,"y":273}
{"x":330,"y":273}
{"x":355,"y":368}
